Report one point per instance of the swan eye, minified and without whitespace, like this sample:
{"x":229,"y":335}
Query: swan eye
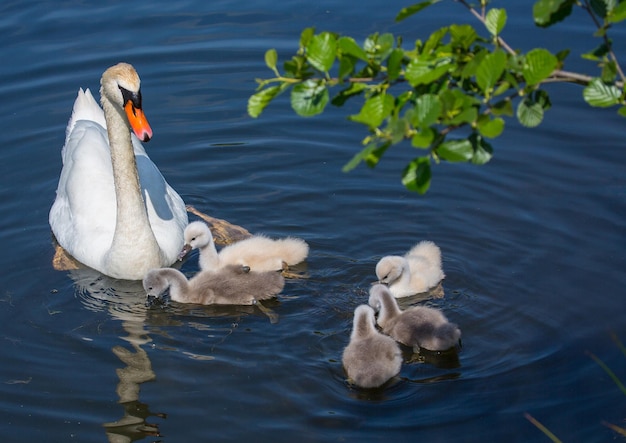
{"x":134,"y":97}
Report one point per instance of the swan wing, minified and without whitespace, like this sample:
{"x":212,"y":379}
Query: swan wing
{"x":166,"y":209}
{"x":82,"y":216}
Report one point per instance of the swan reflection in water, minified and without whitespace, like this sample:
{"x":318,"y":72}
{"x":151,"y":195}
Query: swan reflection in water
{"x":125,"y":301}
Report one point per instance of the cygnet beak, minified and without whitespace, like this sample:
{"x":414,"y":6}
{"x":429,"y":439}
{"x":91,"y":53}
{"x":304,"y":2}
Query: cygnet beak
{"x":183,"y":253}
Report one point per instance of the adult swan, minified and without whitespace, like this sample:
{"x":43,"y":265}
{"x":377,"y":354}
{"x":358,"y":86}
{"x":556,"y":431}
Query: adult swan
{"x":114,"y":211}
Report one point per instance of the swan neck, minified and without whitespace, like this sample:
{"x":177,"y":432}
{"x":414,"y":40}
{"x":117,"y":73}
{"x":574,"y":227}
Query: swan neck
{"x":209,"y":258}
{"x":363,"y":326}
{"x":132,"y":226}
{"x":179,"y":285}
{"x":388,"y":307}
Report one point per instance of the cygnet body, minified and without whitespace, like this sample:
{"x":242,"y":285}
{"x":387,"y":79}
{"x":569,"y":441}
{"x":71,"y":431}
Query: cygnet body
{"x":259,"y":253}
{"x":230,"y":285}
{"x":417,"y":271}
{"x":371,"y":358}
{"x":418,"y":326}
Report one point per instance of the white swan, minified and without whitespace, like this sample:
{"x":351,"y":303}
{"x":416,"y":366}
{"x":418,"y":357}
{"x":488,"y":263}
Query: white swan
{"x":371,"y":358}
{"x":230,"y":285}
{"x":418,"y":326}
{"x":114,"y":211}
{"x":417,"y":271}
{"x":259,"y":253}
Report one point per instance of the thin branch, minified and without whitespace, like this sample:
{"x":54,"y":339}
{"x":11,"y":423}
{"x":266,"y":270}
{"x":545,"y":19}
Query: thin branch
{"x":481,"y":18}
{"x":587,"y":7}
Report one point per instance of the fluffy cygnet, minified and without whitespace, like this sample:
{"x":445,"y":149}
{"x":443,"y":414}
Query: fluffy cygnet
{"x":371,"y":358}
{"x":418,"y":326}
{"x":417,"y":271}
{"x":259,"y":253}
{"x":230,"y":285}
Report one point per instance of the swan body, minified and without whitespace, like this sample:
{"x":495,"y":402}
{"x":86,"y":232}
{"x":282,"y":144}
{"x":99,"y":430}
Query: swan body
{"x":417,"y":271}
{"x":371,"y":358}
{"x":230,"y":285}
{"x":259,"y":253}
{"x":418,"y":326}
{"x":114,"y":211}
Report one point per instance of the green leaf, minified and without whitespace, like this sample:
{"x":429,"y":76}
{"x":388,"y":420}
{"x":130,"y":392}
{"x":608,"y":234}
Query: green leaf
{"x":483,"y":151}
{"x":359,"y":157}
{"x":321,"y":51}
{"x":345,"y":94}
{"x":296,"y":67}
{"x":421,"y":72}
{"x":434,"y":40}
{"x":394,"y":64}
{"x":257,"y":102}
{"x":462,"y":35}
{"x":417,"y":175}
{"x":456,"y":150}
{"x":490,"y":70}
{"x":598,"y":53}
{"x":374,"y":111}
{"x":428,"y":108}
{"x":618,"y":13}
{"x":347,"y":64}
{"x":601,"y":95}
{"x":495,"y":21}
{"x":529,"y":113}
{"x":490,"y":128}
{"x":424,"y":138}
{"x":467,"y":115}
{"x":503,"y":107}
{"x":414,"y":9}
{"x":609,"y":71}
{"x":305,"y":37}
{"x":601,"y":7}
{"x":549,"y":12}
{"x":309,"y":97}
{"x":348,"y":45}
{"x":376,"y":154}
{"x":622,"y":111}
{"x":538,"y":65}
{"x":397,"y":129}
{"x":271,"y":58}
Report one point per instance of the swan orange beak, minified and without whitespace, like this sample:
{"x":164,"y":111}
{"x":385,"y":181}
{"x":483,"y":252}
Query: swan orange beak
{"x":138,"y":121}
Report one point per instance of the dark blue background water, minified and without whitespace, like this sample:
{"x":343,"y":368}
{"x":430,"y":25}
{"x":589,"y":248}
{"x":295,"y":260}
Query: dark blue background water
{"x":533,"y":243}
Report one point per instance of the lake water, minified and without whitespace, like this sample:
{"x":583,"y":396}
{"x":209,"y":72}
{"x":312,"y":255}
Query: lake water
{"x":533,"y":244}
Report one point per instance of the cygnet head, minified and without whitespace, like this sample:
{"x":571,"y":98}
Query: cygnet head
{"x":376,"y":292}
{"x":389,"y":269}
{"x":155,"y":283}
{"x":197,"y":236}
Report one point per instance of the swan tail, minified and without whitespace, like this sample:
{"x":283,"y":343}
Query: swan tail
{"x":293,"y":250}
{"x":427,"y":249}
{"x":85,"y":108}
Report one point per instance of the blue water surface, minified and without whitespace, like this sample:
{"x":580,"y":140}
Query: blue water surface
{"x":533,"y":243}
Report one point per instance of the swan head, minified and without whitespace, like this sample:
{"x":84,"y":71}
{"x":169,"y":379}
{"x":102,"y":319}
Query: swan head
{"x":155,"y":283}
{"x":120,"y":85}
{"x":390,"y":268}
{"x":197,"y":235}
